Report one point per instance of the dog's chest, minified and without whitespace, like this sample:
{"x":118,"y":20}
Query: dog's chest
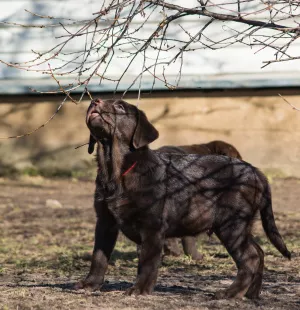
{"x":134,"y":219}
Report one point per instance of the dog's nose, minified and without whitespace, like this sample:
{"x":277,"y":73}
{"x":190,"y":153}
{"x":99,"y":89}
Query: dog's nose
{"x":98,"y":102}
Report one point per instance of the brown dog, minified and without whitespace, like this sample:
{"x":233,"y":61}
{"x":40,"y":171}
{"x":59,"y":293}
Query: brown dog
{"x":189,"y":243}
{"x":151,"y":195}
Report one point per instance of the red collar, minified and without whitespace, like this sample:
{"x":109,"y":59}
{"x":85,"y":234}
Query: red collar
{"x":129,"y":169}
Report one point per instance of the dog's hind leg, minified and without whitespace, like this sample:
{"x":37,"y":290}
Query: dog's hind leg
{"x":247,"y":256}
{"x":255,"y":287}
{"x":149,"y":261}
{"x":189,"y":245}
{"x":171,"y":247}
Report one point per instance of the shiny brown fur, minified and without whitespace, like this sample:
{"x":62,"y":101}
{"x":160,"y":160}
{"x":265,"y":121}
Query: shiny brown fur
{"x":217,"y":147}
{"x":151,"y":195}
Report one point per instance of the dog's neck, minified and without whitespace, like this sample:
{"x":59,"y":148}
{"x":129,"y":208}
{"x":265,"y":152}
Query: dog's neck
{"x":114,"y":159}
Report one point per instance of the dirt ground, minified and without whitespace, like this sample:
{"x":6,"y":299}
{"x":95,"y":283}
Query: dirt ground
{"x":45,"y":248}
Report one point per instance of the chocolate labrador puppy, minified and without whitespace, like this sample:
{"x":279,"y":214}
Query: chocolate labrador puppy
{"x":151,"y":195}
{"x":189,"y":243}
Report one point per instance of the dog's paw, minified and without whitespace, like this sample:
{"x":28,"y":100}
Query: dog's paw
{"x":171,"y":253}
{"x":197,"y":257}
{"x":88,"y":285}
{"x":135,"y":290}
{"x":228,"y":294}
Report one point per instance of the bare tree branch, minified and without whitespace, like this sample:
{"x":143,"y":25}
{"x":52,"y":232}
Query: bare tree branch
{"x":154,"y":36}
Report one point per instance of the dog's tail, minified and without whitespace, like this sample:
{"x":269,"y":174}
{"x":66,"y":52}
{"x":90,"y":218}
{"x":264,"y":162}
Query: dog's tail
{"x":270,"y":228}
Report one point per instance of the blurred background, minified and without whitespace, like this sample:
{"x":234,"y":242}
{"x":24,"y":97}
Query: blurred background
{"x":223,"y":95}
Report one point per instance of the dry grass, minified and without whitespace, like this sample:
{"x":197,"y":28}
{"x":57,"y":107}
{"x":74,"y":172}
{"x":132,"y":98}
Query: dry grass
{"x":44,"y":250}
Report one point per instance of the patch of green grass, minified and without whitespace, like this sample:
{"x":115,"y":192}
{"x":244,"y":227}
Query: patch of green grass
{"x":30,"y":171}
{"x":88,"y":173}
{"x":60,"y":262}
{"x":274,"y":173}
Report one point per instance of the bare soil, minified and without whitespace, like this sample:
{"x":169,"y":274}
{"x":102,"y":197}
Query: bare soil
{"x":45,"y":249}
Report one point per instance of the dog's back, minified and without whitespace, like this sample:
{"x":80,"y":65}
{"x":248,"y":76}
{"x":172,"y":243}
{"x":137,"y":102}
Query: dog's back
{"x":208,"y":175}
{"x":172,"y":149}
{"x":216,"y":147}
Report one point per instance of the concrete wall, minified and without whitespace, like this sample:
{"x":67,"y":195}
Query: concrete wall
{"x":264,"y":129}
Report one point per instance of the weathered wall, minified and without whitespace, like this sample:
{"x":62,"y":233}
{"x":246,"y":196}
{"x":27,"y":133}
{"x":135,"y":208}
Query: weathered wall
{"x":265,"y":130}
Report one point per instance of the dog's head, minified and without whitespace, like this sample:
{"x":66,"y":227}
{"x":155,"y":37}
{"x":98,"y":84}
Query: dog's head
{"x":107,"y":119}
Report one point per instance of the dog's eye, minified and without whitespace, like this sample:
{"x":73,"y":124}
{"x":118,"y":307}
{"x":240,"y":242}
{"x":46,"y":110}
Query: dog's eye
{"x":119,"y":107}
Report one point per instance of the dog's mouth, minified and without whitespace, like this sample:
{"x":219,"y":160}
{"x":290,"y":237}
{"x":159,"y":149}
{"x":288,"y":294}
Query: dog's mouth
{"x":92,"y":115}
{"x":100,"y":121}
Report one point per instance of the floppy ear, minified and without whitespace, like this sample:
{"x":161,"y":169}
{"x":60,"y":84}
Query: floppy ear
{"x":92,"y":143}
{"x":145,"y":133}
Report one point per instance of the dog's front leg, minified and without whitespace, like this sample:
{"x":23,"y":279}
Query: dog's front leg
{"x":106,"y":234}
{"x":149,"y":260}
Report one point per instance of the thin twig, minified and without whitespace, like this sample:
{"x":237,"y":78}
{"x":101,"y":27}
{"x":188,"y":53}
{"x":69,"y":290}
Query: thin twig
{"x":293,"y":107}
